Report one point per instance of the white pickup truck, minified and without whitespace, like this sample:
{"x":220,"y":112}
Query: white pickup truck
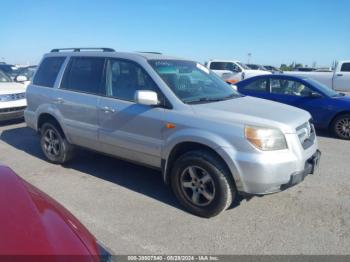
{"x":338,"y":80}
{"x":233,"y":71}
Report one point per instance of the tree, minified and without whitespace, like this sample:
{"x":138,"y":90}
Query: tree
{"x":284,"y":67}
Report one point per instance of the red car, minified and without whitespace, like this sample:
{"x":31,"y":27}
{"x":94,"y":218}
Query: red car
{"x":32,"y":223}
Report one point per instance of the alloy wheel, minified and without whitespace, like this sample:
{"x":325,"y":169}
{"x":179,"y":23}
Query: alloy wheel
{"x":51,"y":143}
{"x":197,"y":185}
{"x":343,"y":127}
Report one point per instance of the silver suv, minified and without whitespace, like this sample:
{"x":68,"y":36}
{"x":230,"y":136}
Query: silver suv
{"x":210,"y":142}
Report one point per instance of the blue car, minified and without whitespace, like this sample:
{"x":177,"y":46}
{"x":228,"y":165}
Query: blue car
{"x":329,"y":109}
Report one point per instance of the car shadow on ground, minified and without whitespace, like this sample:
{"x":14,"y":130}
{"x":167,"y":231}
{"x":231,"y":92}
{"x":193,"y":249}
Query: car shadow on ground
{"x":137,"y":178}
{"x":11,"y":122}
{"x":140,"y":179}
{"x":324,"y":133}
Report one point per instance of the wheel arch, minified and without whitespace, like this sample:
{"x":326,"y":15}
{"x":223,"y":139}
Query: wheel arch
{"x":47,"y":117}
{"x":344,"y":112}
{"x":185,"y":146}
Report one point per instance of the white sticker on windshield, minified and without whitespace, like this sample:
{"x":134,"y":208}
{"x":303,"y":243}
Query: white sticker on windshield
{"x":203,"y":68}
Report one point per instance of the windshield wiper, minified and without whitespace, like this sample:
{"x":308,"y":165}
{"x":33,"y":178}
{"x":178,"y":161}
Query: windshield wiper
{"x":208,"y":99}
{"x":339,"y":95}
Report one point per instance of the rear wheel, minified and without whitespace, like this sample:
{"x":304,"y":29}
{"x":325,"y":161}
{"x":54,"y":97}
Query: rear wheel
{"x":54,"y":145}
{"x":202,"y":183}
{"x":341,"y":127}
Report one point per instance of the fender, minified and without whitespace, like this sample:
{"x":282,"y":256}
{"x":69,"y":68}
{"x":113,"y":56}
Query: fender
{"x":218,"y":144}
{"x":54,"y":112}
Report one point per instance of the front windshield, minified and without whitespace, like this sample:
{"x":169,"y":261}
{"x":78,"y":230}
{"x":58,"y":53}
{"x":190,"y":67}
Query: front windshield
{"x":323,"y":88}
{"x":27,"y":71}
{"x":192,"y":82}
{"x":244,"y":66}
{"x":253,"y":66}
{"x":4,"y":78}
{"x":9,"y":70}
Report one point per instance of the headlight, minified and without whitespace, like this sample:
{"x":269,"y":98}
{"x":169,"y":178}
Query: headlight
{"x":266,"y":139}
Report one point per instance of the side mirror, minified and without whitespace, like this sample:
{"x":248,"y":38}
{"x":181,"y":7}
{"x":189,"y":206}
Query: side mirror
{"x":146,"y":97}
{"x":314,"y":95}
{"x":236,"y":70}
{"x":21,"y":78}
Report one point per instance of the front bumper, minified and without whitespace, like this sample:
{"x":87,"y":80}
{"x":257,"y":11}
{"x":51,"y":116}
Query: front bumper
{"x":311,"y":165}
{"x":11,"y":113}
{"x":260,"y":173}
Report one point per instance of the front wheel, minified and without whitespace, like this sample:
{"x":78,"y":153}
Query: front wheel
{"x":341,"y":127}
{"x":202,"y":183}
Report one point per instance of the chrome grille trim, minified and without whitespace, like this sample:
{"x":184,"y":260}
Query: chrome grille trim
{"x":307,"y":134}
{"x":12,"y":109}
{"x":12,"y":97}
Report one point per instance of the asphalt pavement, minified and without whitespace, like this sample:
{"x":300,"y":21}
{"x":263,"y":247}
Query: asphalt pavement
{"x":131,"y":211}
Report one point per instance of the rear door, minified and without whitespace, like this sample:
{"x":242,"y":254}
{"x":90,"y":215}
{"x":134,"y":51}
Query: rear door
{"x":77,"y":99}
{"x":127,"y":129}
{"x":257,"y":87}
{"x":341,"y":80}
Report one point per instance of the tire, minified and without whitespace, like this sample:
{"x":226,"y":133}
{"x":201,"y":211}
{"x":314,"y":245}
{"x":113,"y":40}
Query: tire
{"x":206,"y":196}
{"x":54,"y":145}
{"x":341,"y":127}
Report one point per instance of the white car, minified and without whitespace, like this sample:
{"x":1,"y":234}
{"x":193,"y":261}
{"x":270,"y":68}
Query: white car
{"x":338,"y":80}
{"x":233,"y":71}
{"x":25,"y":74}
{"x":12,"y":98}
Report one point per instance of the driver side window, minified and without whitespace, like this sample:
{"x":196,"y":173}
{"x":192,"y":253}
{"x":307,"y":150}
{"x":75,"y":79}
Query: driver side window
{"x":232,"y":67}
{"x":289,"y":87}
{"x":124,"y":78}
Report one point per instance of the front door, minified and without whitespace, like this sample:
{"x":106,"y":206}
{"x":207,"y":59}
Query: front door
{"x":127,"y":129}
{"x":298,"y":94}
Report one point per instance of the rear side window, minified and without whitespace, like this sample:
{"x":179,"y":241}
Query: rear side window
{"x":224,"y":66}
{"x":217,"y":65}
{"x":258,"y":86}
{"x":48,"y":71}
{"x":84,"y":74}
{"x":345,"y":67}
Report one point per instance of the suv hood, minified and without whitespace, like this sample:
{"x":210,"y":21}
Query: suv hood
{"x":8,"y":88}
{"x":252,"y":72}
{"x":254,"y":111}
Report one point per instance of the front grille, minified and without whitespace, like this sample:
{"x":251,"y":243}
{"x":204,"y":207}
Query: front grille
{"x":12,"y":109}
{"x":12,"y":97}
{"x":306,"y":133}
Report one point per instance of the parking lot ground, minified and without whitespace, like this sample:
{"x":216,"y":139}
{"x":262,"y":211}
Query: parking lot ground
{"x":129,"y":209}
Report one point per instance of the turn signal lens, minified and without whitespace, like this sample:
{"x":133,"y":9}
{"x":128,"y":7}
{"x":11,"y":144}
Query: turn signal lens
{"x":266,"y":139}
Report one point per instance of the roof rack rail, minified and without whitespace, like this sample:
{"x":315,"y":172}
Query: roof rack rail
{"x":150,"y":52}
{"x":75,"y":49}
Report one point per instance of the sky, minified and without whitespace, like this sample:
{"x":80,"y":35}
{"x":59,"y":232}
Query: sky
{"x":272,"y":31}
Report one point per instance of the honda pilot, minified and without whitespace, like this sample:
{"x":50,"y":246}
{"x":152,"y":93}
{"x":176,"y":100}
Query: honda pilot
{"x":210,"y":142}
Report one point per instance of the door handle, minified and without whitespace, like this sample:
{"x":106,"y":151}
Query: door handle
{"x":58,"y":100}
{"x":107,"y":109}
{"x":339,"y":74}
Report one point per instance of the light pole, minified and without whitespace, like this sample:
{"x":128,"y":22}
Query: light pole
{"x":249,"y":56}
